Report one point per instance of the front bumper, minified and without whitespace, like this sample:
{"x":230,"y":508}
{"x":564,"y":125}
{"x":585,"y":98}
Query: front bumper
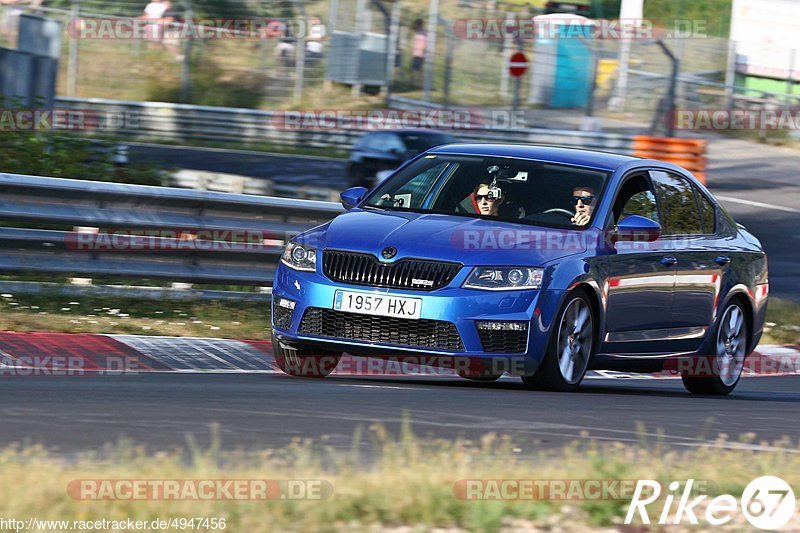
{"x":453,"y":304}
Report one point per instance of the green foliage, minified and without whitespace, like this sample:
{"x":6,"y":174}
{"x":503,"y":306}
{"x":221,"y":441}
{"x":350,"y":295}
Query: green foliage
{"x":715,"y":14}
{"x":606,"y":9}
{"x":102,"y":313}
{"x":211,"y":85}
{"x":397,"y":483}
{"x":233,"y":8}
{"x":201,"y":8}
{"x":66,"y":155}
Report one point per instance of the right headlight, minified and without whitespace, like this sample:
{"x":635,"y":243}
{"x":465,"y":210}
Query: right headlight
{"x":494,"y":278}
{"x":300,"y":257}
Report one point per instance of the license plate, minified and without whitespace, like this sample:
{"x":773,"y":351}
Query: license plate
{"x":377,"y":304}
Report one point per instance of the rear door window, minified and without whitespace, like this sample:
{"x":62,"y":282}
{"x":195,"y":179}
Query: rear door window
{"x":680,"y":214}
{"x":708,"y":214}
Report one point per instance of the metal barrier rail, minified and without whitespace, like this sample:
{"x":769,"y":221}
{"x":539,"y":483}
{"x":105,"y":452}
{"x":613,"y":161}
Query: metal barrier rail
{"x":167,"y":121}
{"x":155,"y":120}
{"x":688,"y":153}
{"x":180,"y":234}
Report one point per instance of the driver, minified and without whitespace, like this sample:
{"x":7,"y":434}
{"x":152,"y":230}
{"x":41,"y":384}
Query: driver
{"x":583,"y":199}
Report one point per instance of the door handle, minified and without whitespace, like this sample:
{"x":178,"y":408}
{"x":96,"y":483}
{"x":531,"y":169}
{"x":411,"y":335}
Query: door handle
{"x":722,"y":260}
{"x":669,"y":260}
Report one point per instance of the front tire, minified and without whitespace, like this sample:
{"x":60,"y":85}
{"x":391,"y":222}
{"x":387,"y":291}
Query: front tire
{"x":730,"y":341}
{"x":570,"y":348}
{"x":304,"y":363}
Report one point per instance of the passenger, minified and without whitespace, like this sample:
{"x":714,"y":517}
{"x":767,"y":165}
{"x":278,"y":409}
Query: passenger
{"x":481,"y":202}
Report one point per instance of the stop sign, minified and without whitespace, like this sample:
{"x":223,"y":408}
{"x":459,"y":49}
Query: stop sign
{"x":518,"y":64}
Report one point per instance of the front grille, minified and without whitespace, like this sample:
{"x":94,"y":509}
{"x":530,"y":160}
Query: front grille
{"x":421,"y":333}
{"x":282,"y":317}
{"x":503,"y":341}
{"x":365,"y":269}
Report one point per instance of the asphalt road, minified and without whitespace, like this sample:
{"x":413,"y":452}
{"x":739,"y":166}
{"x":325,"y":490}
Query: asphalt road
{"x":299,"y":170}
{"x":256,"y":411}
{"x":758,"y":184}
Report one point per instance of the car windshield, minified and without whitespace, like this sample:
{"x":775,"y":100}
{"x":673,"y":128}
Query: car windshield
{"x":524,"y":191}
{"x":423,"y":141}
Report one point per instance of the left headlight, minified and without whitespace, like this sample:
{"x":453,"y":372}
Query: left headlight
{"x":504,"y":278}
{"x":300,"y":257}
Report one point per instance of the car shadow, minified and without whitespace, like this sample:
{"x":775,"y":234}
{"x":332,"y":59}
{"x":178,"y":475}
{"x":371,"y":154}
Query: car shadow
{"x":620,"y":387}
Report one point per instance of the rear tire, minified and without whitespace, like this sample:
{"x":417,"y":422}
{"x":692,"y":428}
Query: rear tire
{"x":731,"y":339}
{"x":304,"y":363}
{"x":570,"y":349}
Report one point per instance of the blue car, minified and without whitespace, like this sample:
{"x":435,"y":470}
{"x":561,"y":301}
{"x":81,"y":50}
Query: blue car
{"x":538,"y":262}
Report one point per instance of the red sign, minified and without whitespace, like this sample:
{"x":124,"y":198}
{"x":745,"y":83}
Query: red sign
{"x":518,"y":64}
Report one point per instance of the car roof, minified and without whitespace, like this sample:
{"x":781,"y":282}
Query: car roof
{"x":550,"y":154}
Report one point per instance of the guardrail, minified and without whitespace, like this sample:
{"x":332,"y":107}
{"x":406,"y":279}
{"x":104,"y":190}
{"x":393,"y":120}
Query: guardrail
{"x":688,"y":153}
{"x":167,"y":121}
{"x":221,"y":182}
{"x":174,"y":122}
{"x":118,"y":230}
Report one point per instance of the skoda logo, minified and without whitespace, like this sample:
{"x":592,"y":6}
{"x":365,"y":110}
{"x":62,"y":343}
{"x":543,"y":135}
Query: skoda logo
{"x":389,"y":252}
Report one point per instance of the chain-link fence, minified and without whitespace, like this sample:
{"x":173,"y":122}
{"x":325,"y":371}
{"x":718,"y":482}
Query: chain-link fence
{"x":316,"y":54}
{"x":250,"y":54}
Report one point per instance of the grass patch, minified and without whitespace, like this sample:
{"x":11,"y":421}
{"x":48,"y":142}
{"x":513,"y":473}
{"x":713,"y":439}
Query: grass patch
{"x":67,"y":155}
{"x":92,"y":314}
{"x":405,"y":481}
{"x":783,"y":322}
{"x":243,"y":319}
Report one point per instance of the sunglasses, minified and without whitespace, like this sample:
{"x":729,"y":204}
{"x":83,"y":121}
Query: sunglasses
{"x":488,"y":197}
{"x":587,"y":200}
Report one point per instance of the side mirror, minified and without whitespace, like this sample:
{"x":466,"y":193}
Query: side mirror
{"x":635,"y":228}
{"x":350,"y":197}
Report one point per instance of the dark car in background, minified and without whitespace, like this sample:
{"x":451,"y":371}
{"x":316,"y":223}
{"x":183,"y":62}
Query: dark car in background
{"x":388,"y":149}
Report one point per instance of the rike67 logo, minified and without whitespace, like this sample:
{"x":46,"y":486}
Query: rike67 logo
{"x":767,"y":503}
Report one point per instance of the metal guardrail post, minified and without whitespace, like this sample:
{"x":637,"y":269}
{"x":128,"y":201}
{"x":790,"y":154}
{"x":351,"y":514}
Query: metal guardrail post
{"x":72,"y":61}
{"x":186,"y":65}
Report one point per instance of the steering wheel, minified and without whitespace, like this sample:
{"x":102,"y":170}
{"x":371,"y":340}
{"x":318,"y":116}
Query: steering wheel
{"x":561,"y":211}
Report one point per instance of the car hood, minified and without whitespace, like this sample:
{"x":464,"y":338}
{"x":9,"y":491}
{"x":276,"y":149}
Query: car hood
{"x":471,"y":241}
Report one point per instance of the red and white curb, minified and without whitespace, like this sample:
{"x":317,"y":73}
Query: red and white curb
{"x":98,"y":353}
